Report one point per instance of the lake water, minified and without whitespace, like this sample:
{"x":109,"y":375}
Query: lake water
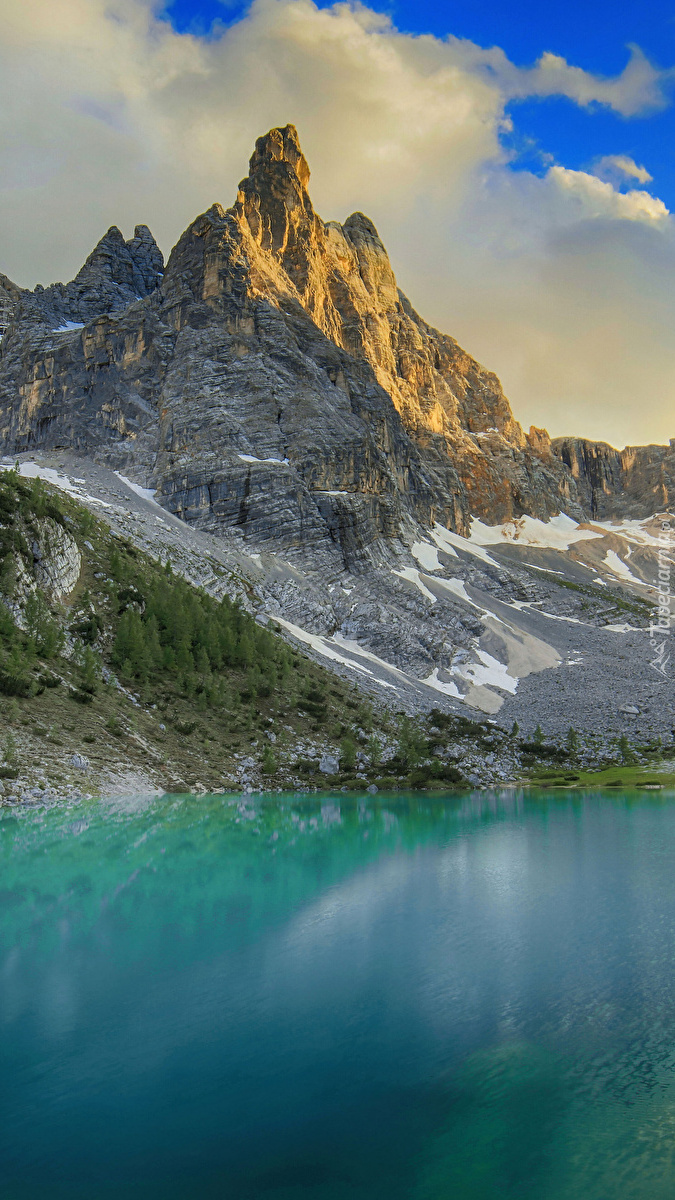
{"x":334,"y":998}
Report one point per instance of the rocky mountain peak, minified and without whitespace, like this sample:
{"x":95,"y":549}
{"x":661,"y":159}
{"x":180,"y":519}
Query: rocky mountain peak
{"x":135,"y":265}
{"x":273,"y":248}
{"x":279,"y":146}
{"x":273,"y":204}
{"x":116,"y":274}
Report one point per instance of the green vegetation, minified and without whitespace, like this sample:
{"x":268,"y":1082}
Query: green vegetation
{"x":627,"y":755}
{"x":610,"y":600}
{"x":615,"y":776}
{"x":147,"y":670}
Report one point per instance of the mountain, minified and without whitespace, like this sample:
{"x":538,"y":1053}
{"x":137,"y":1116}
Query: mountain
{"x":633,"y":482}
{"x":272,"y":388}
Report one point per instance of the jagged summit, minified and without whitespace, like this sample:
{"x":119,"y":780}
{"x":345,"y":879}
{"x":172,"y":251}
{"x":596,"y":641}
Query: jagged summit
{"x":276,"y":147}
{"x":135,"y":265}
{"x":276,"y":246}
{"x":116,"y":274}
{"x":279,"y":336}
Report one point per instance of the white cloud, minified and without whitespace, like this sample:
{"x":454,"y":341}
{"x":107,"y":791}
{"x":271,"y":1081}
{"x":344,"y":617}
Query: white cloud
{"x":639,"y":88}
{"x":619,"y":167}
{"x":594,"y":197}
{"x":107,"y":115}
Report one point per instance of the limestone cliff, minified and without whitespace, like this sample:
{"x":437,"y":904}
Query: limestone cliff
{"x":342,"y":276}
{"x":634,"y":482}
{"x":275,"y":380}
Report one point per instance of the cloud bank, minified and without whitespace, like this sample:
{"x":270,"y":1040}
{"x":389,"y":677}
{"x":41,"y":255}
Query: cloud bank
{"x":562,"y":284}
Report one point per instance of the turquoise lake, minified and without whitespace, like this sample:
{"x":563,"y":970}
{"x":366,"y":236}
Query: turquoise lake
{"x":339,"y":998}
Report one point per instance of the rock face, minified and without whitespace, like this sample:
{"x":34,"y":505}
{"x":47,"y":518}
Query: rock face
{"x":634,"y":482}
{"x":115,"y":275}
{"x":49,"y":560}
{"x":274,"y":380}
{"x":57,"y":559}
{"x":9,"y":295}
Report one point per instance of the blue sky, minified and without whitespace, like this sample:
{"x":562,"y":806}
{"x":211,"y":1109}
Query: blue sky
{"x":594,"y":35}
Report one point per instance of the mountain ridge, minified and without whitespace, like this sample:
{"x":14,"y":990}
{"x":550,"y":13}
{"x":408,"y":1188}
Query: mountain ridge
{"x":457,"y":452}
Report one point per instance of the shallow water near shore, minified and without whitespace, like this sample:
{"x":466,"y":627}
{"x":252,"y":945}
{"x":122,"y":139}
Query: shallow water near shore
{"x":335,"y":997}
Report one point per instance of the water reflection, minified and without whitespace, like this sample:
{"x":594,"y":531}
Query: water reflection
{"x":333,"y":996}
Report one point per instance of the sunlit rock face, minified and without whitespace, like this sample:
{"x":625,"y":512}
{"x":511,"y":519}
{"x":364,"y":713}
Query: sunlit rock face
{"x":273,"y":378}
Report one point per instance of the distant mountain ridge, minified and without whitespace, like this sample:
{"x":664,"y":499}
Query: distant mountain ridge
{"x":278,"y":337}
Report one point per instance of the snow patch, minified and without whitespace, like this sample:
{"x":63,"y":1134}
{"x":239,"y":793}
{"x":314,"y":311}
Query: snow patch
{"x":620,"y":568}
{"x":67,"y":327}
{"x":647,"y":532}
{"x":450,"y":542}
{"x":31,"y":470}
{"x":449,"y":689}
{"x":489,"y":672}
{"x":321,"y":645}
{"x":458,"y":588}
{"x":426,"y":555}
{"x":413,"y":576}
{"x":557,"y":534}
{"x":282,"y":462}
{"x":546,"y":569}
{"x":144,"y":493}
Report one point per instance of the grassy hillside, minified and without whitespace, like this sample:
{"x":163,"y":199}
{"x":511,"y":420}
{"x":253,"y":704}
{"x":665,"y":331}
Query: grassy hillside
{"x":135,"y":665}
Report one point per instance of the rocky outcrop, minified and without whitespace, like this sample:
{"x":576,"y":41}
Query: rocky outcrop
{"x":275,"y":381}
{"x":634,"y":482}
{"x":48,"y":560}
{"x":9,"y":297}
{"x":115,"y":275}
{"x":57,"y":559}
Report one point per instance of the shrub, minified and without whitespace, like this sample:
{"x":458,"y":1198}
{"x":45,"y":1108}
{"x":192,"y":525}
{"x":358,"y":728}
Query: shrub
{"x":185,"y":728}
{"x":10,"y":751}
{"x":412,"y":745}
{"x":348,"y":754}
{"x":627,"y":755}
{"x":16,"y":682}
{"x":48,"y":680}
{"x":43,"y":630}
{"x":269,"y":762}
{"x":374,"y":750}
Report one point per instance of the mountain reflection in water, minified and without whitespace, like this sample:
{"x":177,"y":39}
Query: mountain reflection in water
{"x":332,"y":997}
